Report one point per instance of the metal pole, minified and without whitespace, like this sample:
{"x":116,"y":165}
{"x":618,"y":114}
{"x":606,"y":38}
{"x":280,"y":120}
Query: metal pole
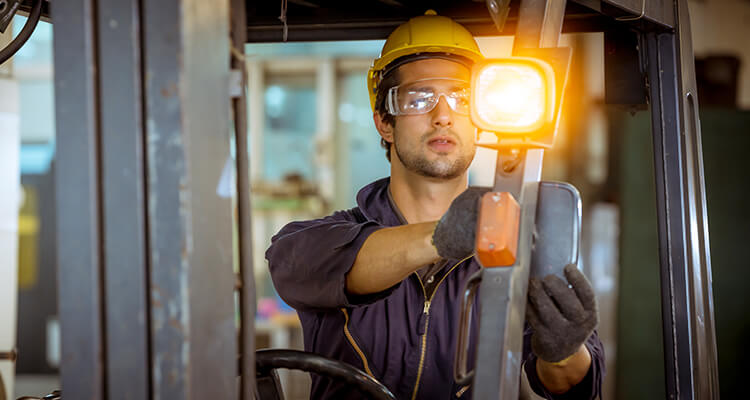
{"x":687,"y":300}
{"x":244,"y":224}
{"x":503,"y":290}
{"x":78,"y":195}
{"x":124,"y":199}
{"x":706,"y":374}
{"x":193,"y":330}
{"x":502,"y":295}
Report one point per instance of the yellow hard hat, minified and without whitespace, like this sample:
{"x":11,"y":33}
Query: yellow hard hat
{"x":429,"y":33}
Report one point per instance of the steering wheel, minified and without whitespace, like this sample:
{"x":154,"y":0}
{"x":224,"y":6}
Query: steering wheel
{"x":267,"y":360}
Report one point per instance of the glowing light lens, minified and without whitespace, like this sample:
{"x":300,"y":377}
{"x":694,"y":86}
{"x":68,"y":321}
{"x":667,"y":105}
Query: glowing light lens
{"x":512,"y":96}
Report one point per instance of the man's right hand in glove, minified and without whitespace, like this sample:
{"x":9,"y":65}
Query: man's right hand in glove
{"x":390,"y":254}
{"x":455,"y":234}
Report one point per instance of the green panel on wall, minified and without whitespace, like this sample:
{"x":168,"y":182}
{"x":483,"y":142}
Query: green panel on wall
{"x":726,"y":147}
{"x":640,"y":355}
{"x":726,"y":151}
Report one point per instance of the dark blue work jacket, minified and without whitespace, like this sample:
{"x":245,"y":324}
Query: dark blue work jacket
{"x":400,"y":337}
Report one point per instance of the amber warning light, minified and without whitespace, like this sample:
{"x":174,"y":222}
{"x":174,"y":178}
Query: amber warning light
{"x":513,"y":95}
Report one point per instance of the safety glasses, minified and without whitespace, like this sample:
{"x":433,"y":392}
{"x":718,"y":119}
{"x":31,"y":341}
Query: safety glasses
{"x":421,"y":96}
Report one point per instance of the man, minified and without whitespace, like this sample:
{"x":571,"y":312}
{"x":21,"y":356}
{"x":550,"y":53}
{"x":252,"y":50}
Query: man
{"x":379,"y":286}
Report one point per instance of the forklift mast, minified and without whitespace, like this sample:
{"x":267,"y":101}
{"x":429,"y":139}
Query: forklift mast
{"x":146,"y":268}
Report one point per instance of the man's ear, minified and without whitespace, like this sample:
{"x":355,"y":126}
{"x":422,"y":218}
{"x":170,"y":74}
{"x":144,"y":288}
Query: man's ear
{"x":384,"y":129}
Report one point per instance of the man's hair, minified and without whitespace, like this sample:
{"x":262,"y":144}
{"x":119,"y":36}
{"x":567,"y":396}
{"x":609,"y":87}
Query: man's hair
{"x":390,"y":80}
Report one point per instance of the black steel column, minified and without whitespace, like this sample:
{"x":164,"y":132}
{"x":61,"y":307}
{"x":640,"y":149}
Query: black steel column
{"x":79,"y":256}
{"x":124,"y":199}
{"x":666,"y":123}
{"x":687,"y":300}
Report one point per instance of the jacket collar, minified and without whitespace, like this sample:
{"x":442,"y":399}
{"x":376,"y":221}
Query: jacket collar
{"x":375,"y":204}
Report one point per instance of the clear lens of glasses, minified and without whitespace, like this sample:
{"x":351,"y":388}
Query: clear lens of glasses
{"x":421,"y":96}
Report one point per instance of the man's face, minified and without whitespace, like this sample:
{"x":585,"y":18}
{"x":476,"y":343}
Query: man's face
{"x":440,"y":143}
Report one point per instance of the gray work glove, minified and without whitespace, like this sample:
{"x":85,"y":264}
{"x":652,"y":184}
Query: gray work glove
{"x":455,"y":233}
{"x":561,"y":317}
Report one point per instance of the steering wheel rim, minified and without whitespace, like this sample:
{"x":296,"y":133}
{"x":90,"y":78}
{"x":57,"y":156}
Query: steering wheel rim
{"x":270,"y":359}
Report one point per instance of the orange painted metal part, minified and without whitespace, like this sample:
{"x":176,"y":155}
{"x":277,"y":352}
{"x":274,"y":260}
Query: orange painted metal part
{"x":497,"y":229}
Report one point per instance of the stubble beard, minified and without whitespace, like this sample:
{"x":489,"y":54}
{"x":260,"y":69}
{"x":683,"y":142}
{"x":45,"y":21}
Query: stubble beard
{"x":442,"y":168}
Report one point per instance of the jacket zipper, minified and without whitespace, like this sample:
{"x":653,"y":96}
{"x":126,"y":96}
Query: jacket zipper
{"x":426,"y":314}
{"x":462,"y":391}
{"x":354,"y":344}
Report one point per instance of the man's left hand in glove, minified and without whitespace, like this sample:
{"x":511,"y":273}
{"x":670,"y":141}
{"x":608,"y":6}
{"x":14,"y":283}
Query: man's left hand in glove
{"x":562,"y":318}
{"x":391,"y":254}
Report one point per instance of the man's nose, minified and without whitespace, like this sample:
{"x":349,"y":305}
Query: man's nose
{"x":442,"y":114}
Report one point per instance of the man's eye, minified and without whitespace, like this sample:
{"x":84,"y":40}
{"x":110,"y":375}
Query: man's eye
{"x":418,"y":99}
{"x":462,"y":101}
{"x":425,"y":94}
{"x":418,"y":103}
{"x":464,"y":92}
{"x":462,"y":97}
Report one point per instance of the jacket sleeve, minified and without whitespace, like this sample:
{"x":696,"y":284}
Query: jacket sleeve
{"x":591,"y":385}
{"x":309,"y":260}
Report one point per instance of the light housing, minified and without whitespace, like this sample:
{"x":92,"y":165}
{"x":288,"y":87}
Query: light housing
{"x":514,"y":95}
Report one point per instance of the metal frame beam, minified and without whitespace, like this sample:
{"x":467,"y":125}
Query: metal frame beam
{"x":123,"y":199}
{"x":80,"y":279}
{"x":244,"y":224}
{"x":502,"y":291}
{"x":187,"y":107}
{"x":687,"y":300}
